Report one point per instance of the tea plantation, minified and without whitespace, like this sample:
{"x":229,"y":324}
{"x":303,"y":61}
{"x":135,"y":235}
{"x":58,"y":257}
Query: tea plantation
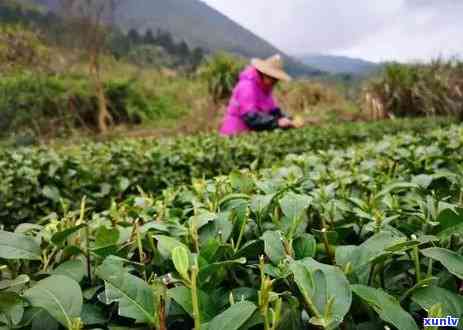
{"x":343,"y":227}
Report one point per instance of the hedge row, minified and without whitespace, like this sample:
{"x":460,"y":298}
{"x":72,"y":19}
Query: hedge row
{"x":37,"y":181}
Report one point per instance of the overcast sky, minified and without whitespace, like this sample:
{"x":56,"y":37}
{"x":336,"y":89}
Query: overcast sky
{"x":372,"y":29}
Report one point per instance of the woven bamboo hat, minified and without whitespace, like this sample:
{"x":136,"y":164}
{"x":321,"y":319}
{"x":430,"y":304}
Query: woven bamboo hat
{"x":272,"y":66}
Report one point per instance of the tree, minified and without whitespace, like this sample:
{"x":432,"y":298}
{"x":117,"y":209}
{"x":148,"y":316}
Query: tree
{"x":183,"y":51}
{"x":165,"y":40}
{"x":90,"y":21}
{"x":120,"y":45}
{"x":149,"y":38}
{"x":134,"y":37}
{"x":197,"y":56}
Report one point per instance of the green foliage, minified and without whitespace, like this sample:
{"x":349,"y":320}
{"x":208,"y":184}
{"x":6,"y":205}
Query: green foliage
{"x":27,"y":96}
{"x":33,"y":181}
{"x":420,"y":89}
{"x":144,"y":50}
{"x":17,"y":246}
{"x":156,"y":51}
{"x":21,"y":48}
{"x":150,"y":56}
{"x":387,"y":307}
{"x":221,"y":72}
{"x":59,"y":103}
{"x":134,"y":296}
{"x":344,"y":237}
{"x":60,"y":296}
{"x":129,"y":102}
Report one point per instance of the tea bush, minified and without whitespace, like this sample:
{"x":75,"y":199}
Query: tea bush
{"x":36,"y":181}
{"x":362,"y":237}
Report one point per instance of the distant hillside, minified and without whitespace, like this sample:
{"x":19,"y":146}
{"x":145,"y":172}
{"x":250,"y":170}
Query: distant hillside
{"x":199,"y":25}
{"x":339,"y":64}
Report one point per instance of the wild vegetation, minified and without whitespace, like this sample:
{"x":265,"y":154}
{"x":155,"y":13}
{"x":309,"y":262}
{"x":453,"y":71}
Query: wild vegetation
{"x":56,"y":91}
{"x":417,"y":90}
{"x":48,"y":76}
{"x":149,"y":49}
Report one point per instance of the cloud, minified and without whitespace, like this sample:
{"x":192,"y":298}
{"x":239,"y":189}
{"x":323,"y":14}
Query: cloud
{"x":377,"y":30}
{"x":432,"y":4}
{"x":421,"y":30}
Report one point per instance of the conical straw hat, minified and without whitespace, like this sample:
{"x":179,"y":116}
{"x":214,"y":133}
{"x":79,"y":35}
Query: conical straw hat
{"x":273,"y":67}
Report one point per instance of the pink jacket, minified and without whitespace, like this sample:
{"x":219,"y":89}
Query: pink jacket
{"x":249,"y":95}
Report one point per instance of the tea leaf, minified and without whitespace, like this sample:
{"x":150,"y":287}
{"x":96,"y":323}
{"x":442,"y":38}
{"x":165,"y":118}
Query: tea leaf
{"x":234,"y":317}
{"x":74,"y":269}
{"x":451,"y":260}
{"x":387,"y":307}
{"x":427,"y":297}
{"x":59,"y":295}
{"x":11,"y":306}
{"x":305,"y":246}
{"x":181,"y":259}
{"x":18,"y":246}
{"x":134,"y":296}
{"x":274,"y":248}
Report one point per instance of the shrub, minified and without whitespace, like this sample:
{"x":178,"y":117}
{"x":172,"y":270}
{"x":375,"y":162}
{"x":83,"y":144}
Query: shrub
{"x":417,"y":90}
{"x":21,"y":48}
{"x":41,"y":103}
{"x":129,"y":104}
{"x":32,"y":180}
{"x":52,"y":105}
{"x":221,"y":72}
{"x":302,"y":96}
{"x":150,"y":56}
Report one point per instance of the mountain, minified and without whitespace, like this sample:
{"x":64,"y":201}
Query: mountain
{"x":199,"y":25}
{"x":339,"y":64}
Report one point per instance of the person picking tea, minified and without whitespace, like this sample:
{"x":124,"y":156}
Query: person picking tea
{"x":252,"y":106}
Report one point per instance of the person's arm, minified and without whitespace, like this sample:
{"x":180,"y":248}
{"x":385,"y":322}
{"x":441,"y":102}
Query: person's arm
{"x":277,"y":112}
{"x":258,"y":121}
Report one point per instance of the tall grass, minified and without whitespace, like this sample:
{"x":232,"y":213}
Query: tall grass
{"x":46,"y":105}
{"x":417,"y":90}
{"x":221,"y":72}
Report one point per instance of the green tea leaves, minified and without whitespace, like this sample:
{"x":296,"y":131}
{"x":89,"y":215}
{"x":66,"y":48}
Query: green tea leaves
{"x":294,"y":205}
{"x":451,"y":303}
{"x":167,"y":244}
{"x":451,"y":260}
{"x":18,"y":246}
{"x":182,"y":296}
{"x":74,"y":269}
{"x":234,"y":317}
{"x":324,"y":288}
{"x":134,"y":296}
{"x":305,"y":246}
{"x":274,"y":248}
{"x":387,"y":307}
{"x":59,"y":295}
{"x":181,"y":259}
{"x":11,"y":307}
